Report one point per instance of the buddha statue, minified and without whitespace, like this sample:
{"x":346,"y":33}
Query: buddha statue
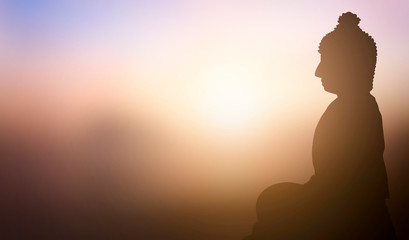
{"x":345,"y":198}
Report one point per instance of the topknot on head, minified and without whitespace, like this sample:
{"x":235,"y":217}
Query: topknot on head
{"x":348,"y":19}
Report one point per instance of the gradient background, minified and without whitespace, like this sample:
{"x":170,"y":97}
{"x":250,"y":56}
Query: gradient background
{"x":173,"y":116}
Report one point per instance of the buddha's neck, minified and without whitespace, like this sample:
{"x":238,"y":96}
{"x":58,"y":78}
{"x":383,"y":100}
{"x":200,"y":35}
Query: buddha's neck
{"x":353,"y":95}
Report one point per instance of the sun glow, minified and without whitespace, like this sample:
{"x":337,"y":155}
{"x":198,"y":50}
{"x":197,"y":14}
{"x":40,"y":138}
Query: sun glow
{"x":231,"y":96}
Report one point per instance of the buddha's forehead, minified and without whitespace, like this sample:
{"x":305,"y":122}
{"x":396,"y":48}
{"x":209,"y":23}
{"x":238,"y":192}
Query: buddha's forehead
{"x":337,"y":53}
{"x":346,"y":50}
{"x":339,"y":46}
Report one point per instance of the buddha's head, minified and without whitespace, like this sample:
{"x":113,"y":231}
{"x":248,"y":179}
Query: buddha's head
{"x":348,"y":58}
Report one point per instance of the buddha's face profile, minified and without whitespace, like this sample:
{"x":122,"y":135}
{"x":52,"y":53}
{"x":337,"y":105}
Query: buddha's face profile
{"x":337,"y":72}
{"x":330,"y":74}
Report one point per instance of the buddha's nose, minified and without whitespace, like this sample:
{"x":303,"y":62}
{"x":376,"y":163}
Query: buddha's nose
{"x":318,"y":71}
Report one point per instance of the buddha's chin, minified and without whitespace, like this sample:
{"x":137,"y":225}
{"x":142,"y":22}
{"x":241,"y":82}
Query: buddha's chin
{"x":328,"y":89}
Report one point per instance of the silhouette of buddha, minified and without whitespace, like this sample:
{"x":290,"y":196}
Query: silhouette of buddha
{"x":345,"y":198}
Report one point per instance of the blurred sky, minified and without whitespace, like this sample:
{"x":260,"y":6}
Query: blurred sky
{"x":228,"y":86}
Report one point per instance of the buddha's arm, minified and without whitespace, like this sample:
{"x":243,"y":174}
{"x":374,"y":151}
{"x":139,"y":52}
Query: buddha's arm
{"x":359,"y":150}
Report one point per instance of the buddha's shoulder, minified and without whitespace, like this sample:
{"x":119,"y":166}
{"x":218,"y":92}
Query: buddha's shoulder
{"x":362,"y":108}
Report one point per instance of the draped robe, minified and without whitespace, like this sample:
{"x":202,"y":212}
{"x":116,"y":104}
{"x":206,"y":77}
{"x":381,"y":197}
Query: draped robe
{"x":345,"y":198}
